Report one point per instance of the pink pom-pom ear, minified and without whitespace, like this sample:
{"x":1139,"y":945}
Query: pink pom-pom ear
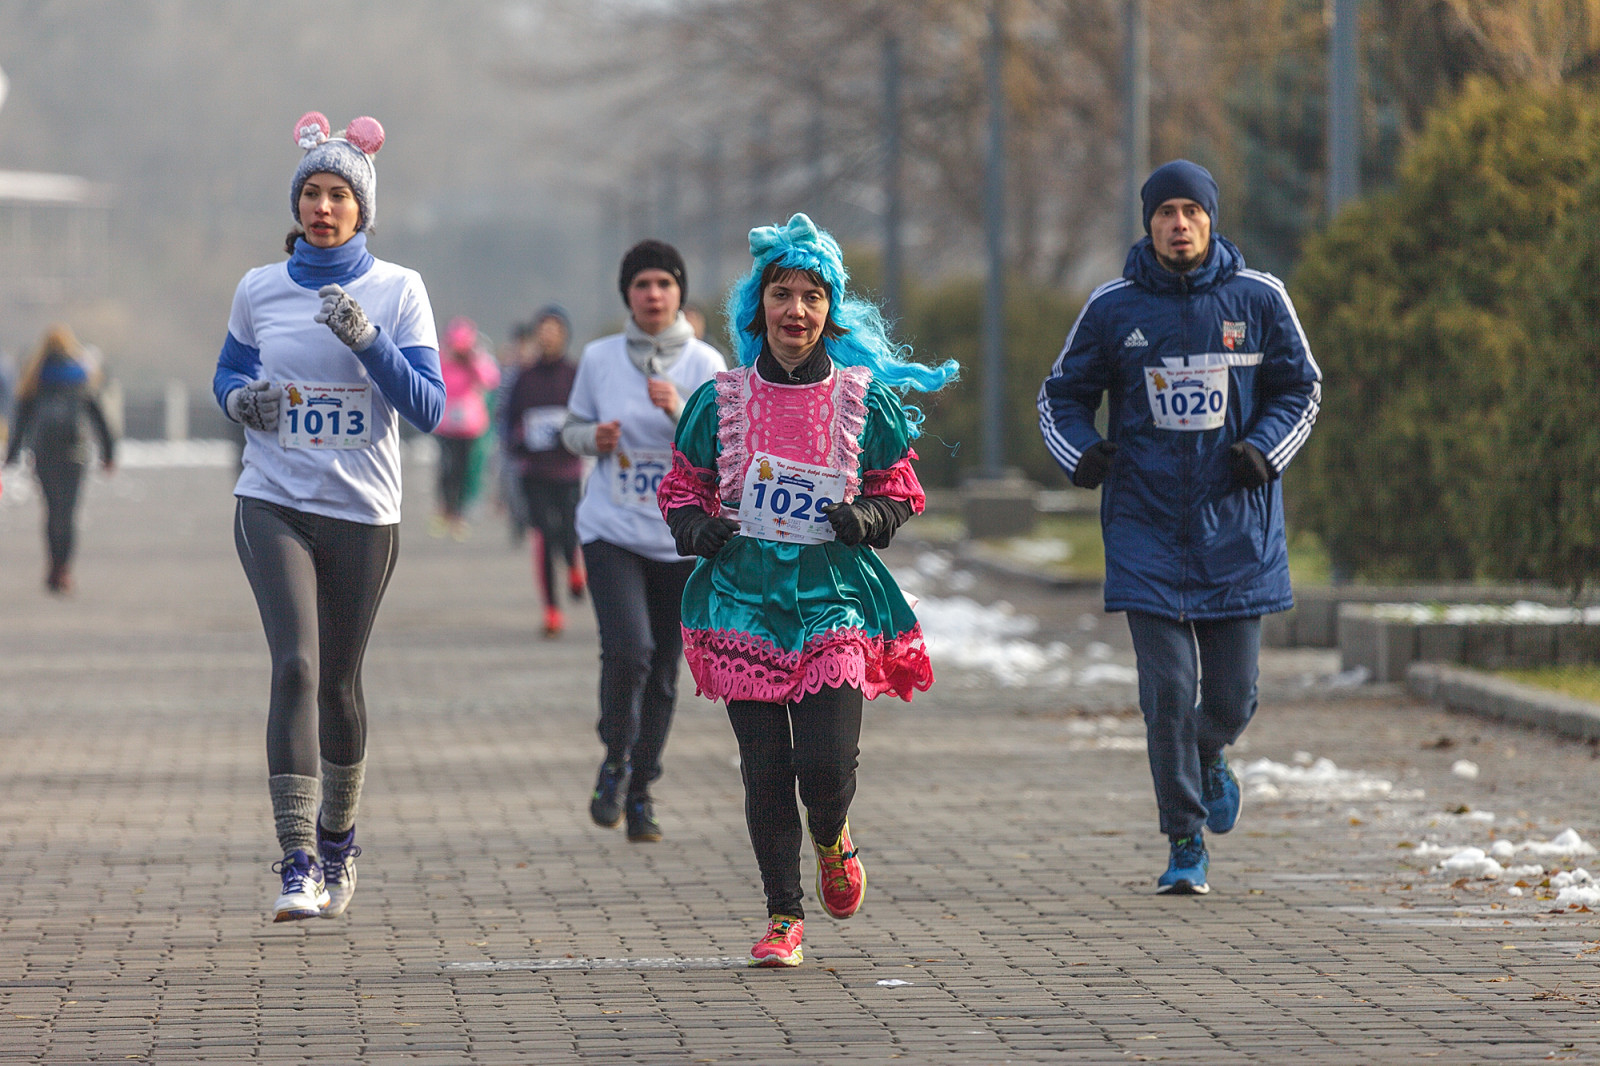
{"x":366,"y":133}
{"x":311,"y":130}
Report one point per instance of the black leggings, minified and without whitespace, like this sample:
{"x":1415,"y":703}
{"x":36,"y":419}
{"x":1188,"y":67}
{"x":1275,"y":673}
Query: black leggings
{"x":638,"y":607}
{"x":815,"y":741}
{"x":551,"y":510}
{"x":60,"y":481}
{"x":318,"y":582}
{"x":455,"y":458}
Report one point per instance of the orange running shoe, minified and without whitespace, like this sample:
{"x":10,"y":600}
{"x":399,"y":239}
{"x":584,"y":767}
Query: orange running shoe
{"x":841,"y":879}
{"x":554,"y":621}
{"x":781,"y":945}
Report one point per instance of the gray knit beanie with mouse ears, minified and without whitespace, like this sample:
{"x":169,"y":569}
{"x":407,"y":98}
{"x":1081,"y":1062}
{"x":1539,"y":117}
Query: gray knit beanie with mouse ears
{"x":348,"y":154}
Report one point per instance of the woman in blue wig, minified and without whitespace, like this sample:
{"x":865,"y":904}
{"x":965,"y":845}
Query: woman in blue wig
{"x":787,"y":471}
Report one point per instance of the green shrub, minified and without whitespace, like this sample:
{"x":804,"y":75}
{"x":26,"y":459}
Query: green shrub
{"x":1421,"y":305}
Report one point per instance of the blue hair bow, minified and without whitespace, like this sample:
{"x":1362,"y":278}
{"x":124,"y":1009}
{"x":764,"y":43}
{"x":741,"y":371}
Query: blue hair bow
{"x":815,"y":247}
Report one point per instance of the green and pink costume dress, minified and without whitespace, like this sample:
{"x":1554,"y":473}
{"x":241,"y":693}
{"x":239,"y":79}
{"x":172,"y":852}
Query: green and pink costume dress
{"x":776,"y":621}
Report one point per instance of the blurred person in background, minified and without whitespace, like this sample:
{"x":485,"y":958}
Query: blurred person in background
{"x":324,"y":354}
{"x":625,"y":403}
{"x":57,"y":408}
{"x":549,"y":477}
{"x":470,"y":376}
{"x":515,"y":354}
{"x":697,"y":320}
{"x":788,"y":471}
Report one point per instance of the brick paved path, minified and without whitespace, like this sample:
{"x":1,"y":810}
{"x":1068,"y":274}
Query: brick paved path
{"x":1009,"y":835}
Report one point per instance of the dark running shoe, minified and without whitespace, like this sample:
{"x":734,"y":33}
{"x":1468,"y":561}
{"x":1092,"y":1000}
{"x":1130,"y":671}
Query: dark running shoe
{"x":1220,"y":791}
{"x":642,"y":825}
{"x":1186,"y":871}
{"x":605,"y":806}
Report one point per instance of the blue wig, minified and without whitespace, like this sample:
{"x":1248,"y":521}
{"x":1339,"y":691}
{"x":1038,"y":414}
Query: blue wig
{"x":864,"y":341}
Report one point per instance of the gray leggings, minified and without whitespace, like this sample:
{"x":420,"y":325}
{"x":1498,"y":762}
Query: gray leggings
{"x":318,"y":582}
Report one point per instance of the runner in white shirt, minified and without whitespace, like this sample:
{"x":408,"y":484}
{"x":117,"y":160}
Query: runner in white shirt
{"x":323,"y":356}
{"x":624,"y":409}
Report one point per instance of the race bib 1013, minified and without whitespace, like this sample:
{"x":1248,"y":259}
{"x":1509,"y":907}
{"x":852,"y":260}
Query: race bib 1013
{"x":783,"y":500}
{"x":325,"y":415}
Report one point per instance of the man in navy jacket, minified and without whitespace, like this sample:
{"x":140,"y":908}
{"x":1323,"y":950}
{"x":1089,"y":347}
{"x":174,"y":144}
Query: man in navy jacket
{"x":1212,"y":391}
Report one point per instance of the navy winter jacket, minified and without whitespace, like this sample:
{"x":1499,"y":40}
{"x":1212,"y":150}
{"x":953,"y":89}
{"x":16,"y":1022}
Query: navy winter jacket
{"x":1182,"y":541}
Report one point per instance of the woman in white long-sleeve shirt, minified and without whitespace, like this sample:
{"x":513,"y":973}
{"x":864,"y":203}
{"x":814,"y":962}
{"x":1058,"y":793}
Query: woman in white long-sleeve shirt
{"x":624,"y":409}
{"x":324,"y":354}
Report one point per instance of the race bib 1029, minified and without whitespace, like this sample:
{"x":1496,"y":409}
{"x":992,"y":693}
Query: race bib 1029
{"x":325,"y":415}
{"x":1188,"y":397}
{"x":636,"y":474}
{"x":783,"y":500}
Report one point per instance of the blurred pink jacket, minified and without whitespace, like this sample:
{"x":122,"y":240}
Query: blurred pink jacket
{"x":466,"y":382}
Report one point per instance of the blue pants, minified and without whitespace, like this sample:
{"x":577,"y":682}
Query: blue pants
{"x":1197,"y":689}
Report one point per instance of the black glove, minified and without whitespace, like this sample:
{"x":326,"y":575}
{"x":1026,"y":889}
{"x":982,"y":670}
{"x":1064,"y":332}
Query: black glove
{"x":1250,"y":468}
{"x":868,"y":520}
{"x":697,"y":533}
{"x":1094,"y":464}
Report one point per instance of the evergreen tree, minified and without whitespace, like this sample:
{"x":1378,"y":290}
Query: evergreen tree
{"x":1420,"y":305}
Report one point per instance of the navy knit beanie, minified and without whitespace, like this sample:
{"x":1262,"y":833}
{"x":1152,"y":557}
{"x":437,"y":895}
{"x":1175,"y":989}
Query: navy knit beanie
{"x":1179,"y":179}
{"x":652,"y":255}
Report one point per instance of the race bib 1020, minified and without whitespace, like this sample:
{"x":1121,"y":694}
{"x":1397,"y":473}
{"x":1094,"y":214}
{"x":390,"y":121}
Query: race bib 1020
{"x":325,"y":415}
{"x":1188,"y":397}
{"x":783,"y":500}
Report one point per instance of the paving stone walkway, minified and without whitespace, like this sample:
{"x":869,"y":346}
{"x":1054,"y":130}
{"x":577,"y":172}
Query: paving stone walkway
{"x":1008,"y":833}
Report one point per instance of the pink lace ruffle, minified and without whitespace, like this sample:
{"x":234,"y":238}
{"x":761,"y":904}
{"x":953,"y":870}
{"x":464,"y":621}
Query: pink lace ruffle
{"x":688,"y":485}
{"x":729,"y":665}
{"x":811,"y":424}
{"x":733,"y":431}
{"x":850,"y":399}
{"x":898,"y":482}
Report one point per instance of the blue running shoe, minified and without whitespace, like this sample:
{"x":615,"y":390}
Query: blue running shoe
{"x":1220,"y":791}
{"x":304,"y":893}
{"x":1186,"y":872}
{"x":338,"y":854}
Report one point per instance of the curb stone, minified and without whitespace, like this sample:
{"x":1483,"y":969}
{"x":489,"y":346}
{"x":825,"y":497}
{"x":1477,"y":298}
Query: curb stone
{"x":1480,"y":693}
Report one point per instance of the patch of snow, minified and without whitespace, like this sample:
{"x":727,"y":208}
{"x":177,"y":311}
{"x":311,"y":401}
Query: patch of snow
{"x":1468,"y":613}
{"x":1567,"y":842}
{"x":1465,"y":768}
{"x":1584,"y":896}
{"x":1473,"y":863}
{"x":1108,"y":674}
{"x":1311,"y":779}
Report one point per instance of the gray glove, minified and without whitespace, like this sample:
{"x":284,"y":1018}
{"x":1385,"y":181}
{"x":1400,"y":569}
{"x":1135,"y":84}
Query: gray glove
{"x":344,"y":316}
{"x":256,"y":405}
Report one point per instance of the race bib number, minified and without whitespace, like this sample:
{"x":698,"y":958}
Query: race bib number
{"x":636,"y":475}
{"x":321,"y":415}
{"x":541,"y":427}
{"x":1188,"y":398}
{"x":783,"y":500}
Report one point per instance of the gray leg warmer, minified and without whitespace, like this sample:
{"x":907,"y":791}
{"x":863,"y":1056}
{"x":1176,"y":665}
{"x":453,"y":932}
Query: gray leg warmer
{"x":341,"y":794}
{"x":294,"y":811}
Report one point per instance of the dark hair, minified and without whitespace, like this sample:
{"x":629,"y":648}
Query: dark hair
{"x":776,"y":272}
{"x":294,"y":235}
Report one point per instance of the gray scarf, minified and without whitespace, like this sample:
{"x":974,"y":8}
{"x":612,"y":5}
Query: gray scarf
{"x":655,"y":355}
